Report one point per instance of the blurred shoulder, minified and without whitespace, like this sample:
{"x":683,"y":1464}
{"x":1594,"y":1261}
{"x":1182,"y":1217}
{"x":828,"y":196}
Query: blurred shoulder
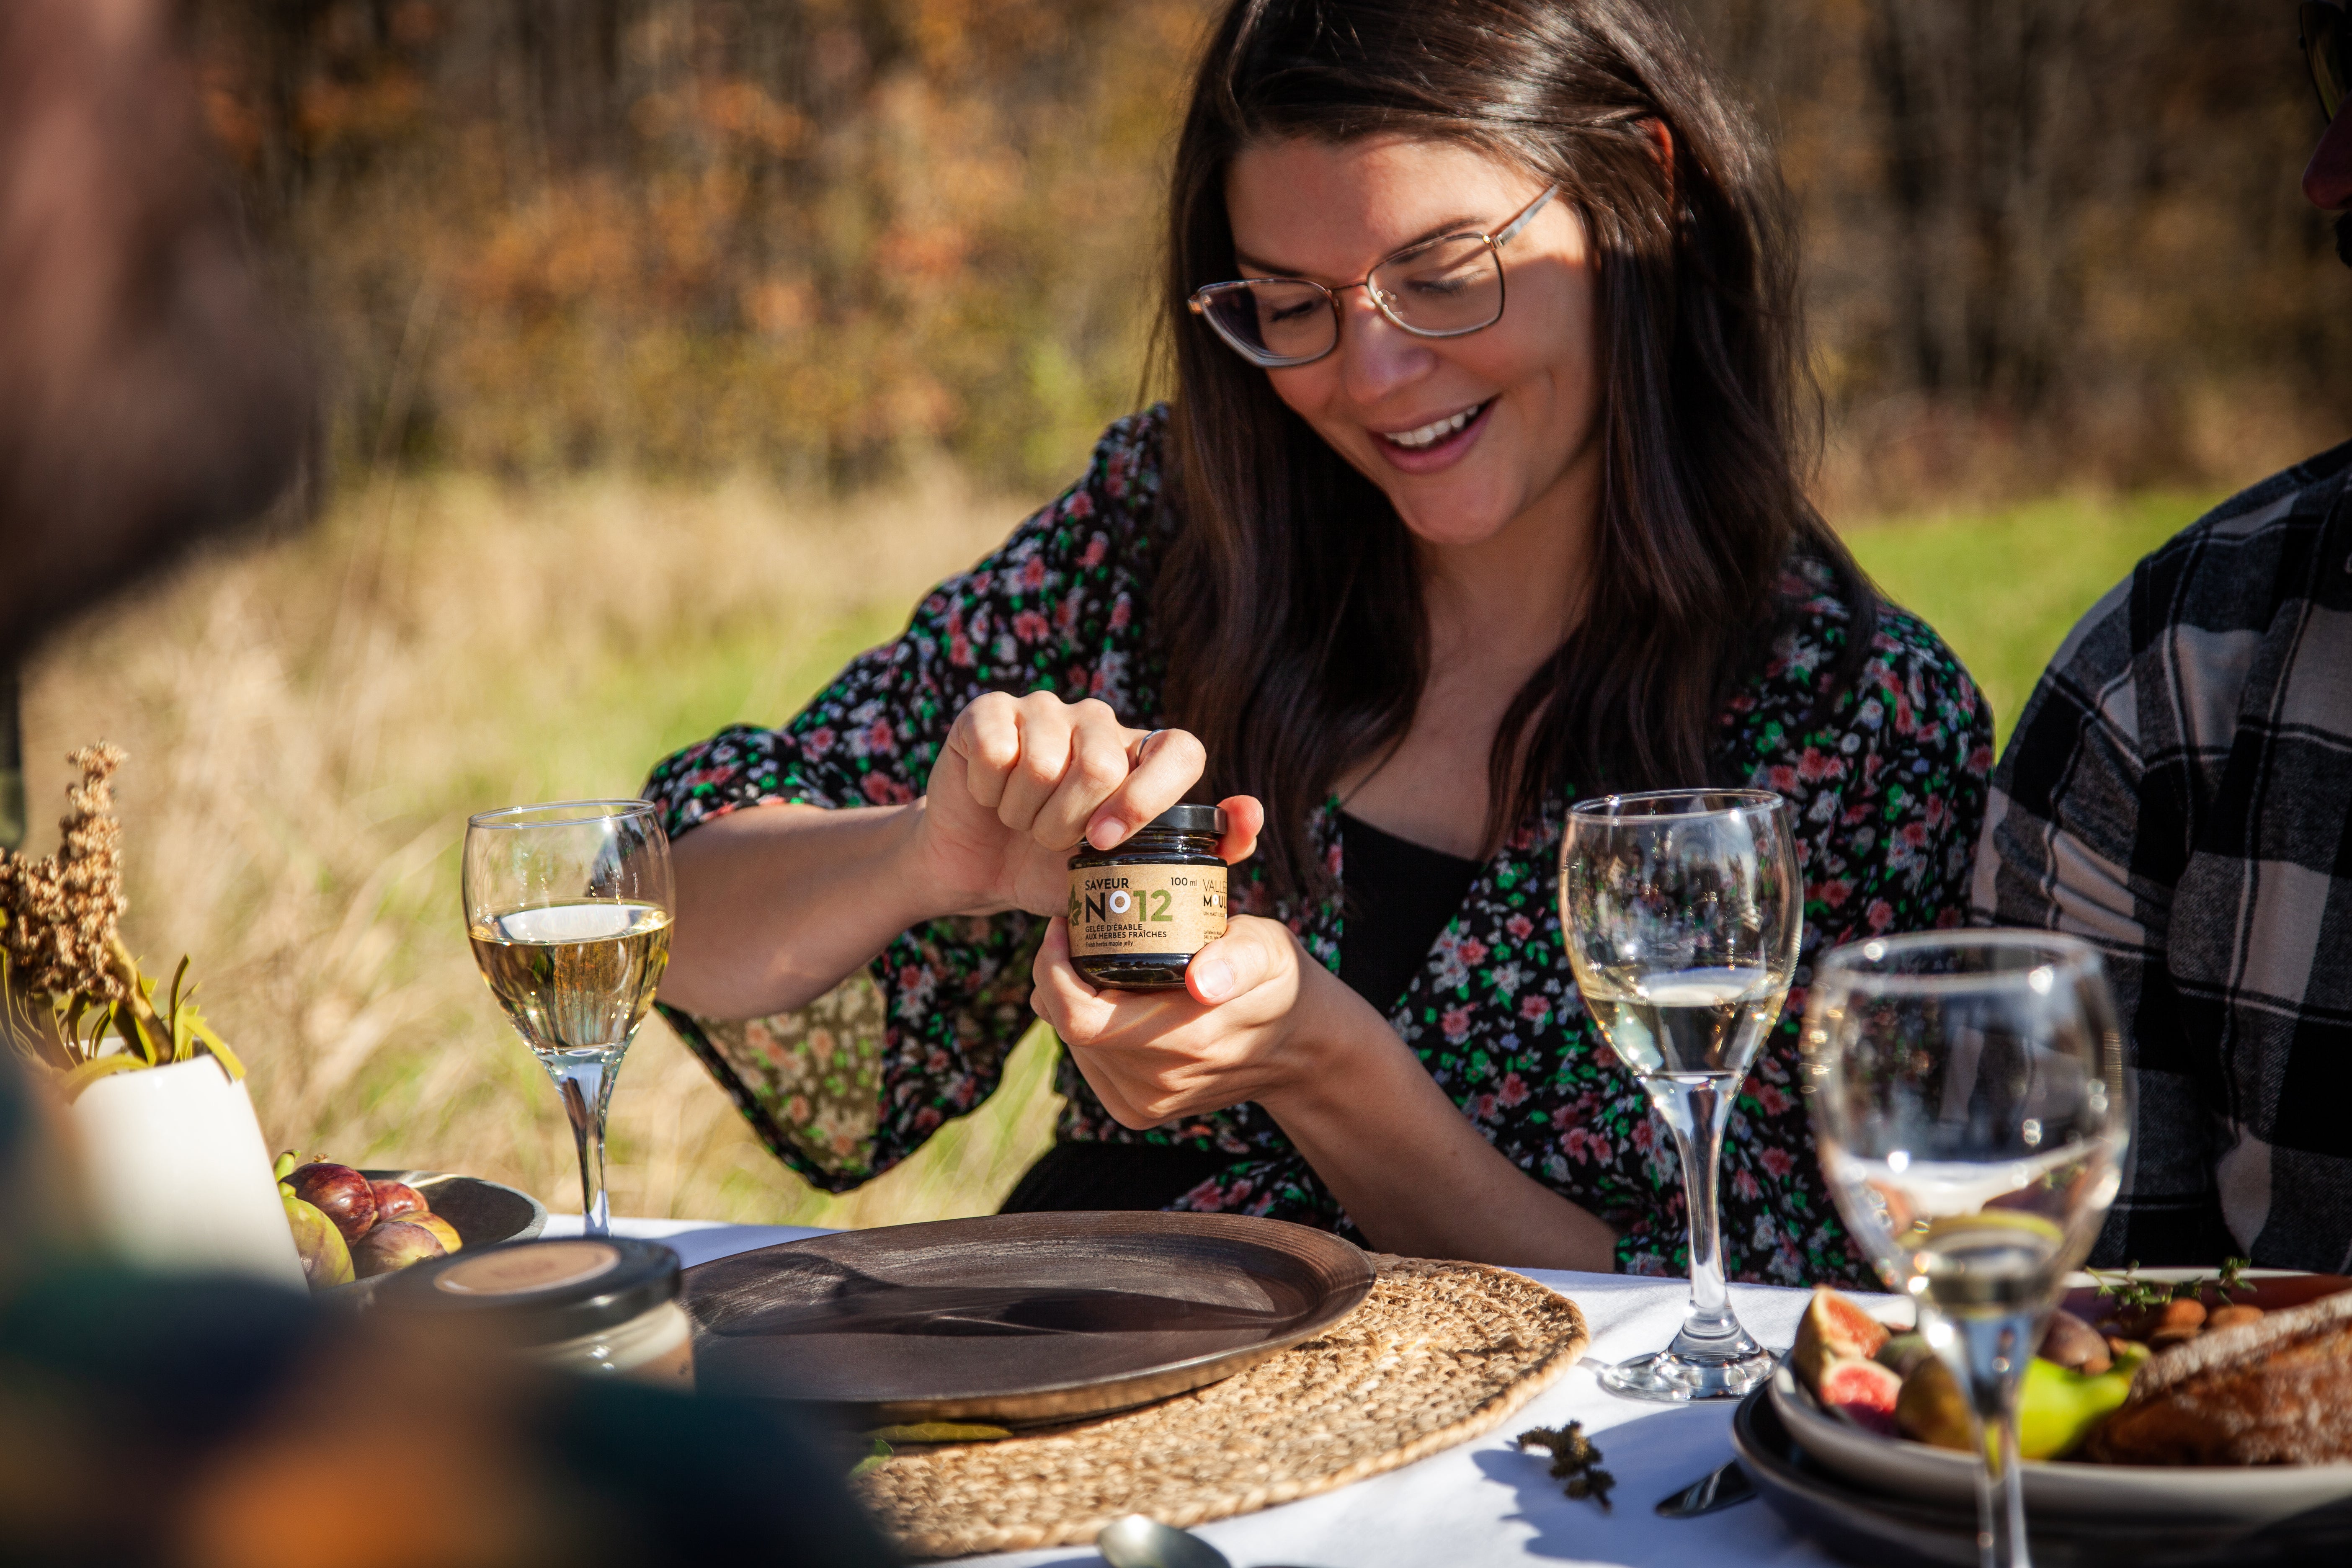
{"x":1908,"y":662}
{"x":2203,"y":600}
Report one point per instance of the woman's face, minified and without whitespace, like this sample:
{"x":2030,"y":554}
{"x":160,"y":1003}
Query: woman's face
{"x":1330,"y":212}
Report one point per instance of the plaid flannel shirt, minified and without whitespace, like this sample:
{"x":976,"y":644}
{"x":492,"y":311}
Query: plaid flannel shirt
{"x":2178,"y":791}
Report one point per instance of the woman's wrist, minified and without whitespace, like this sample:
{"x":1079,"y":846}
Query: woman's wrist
{"x":1335,"y":1037}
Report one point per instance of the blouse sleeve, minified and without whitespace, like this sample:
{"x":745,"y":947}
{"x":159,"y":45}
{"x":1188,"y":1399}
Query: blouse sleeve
{"x":1889,"y":789}
{"x":847,"y":1088}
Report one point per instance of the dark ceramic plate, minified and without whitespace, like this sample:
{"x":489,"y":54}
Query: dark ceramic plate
{"x":1857,"y":1525}
{"x":484,"y":1213}
{"x":1015,"y":1318}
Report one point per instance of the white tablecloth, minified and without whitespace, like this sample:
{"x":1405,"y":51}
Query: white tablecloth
{"x":1485,"y":1501}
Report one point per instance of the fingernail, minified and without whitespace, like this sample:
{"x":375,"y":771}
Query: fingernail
{"x":1215,"y":975}
{"x":1105,"y":832}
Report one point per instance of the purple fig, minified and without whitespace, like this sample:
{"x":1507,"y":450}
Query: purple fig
{"x":325,"y":1260}
{"x":442,"y":1231}
{"x":396,"y":1243}
{"x":340,"y":1193}
{"x":397,"y":1200}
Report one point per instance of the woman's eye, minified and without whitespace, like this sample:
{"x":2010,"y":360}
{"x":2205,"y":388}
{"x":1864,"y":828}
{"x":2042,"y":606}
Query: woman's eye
{"x":1279,"y":314}
{"x":1443,"y":285}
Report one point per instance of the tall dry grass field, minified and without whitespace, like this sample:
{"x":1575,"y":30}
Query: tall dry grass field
{"x":311,"y":722}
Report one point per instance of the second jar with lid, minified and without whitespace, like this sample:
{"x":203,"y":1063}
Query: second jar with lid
{"x":1140,"y":909}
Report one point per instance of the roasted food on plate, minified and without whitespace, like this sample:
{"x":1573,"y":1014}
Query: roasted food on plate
{"x":2272,"y":1390}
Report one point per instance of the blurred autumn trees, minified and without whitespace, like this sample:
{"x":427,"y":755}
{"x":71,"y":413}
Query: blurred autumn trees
{"x":2047,"y":239}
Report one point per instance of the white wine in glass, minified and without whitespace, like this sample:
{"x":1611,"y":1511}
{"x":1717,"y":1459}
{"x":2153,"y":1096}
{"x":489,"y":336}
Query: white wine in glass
{"x":1971,"y":1107}
{"x":568,"y":907}
{"x":1683,"y":912}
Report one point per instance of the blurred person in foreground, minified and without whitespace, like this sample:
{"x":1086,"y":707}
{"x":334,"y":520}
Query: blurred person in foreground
{"x":150,"y":399}
{"x":2178,"y":790}
{"x":1480,"y":493}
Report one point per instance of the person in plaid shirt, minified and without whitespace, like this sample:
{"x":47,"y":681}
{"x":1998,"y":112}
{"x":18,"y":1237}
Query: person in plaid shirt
{"x":2178,"y":791}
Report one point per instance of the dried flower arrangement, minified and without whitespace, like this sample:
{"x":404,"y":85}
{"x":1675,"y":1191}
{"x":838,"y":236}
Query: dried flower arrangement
{"x":68,"y":986}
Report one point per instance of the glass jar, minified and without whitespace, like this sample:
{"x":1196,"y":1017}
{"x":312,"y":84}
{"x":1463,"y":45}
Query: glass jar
{"x":606,"y":1305}
{"x":1139,"y":912}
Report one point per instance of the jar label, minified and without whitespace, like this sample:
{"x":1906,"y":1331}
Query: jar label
{"x":1120,"y":910}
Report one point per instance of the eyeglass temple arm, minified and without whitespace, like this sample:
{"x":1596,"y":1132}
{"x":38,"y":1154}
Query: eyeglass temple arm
{"x":1527,"y":215}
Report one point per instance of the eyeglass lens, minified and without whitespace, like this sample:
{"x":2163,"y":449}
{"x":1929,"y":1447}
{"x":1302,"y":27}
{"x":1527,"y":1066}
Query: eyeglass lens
{"x":1444,"y":287}
{"x":2323,"y":47}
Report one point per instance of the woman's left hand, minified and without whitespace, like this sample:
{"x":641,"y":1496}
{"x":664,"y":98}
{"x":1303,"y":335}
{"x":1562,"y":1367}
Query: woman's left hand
{"x":1244,"y":1026}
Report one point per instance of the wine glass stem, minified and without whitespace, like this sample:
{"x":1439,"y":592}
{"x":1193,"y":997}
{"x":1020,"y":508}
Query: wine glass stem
{"x":584,"y":1079}
{"x":1990,"y":1364}
{"x":1698,"y":1124}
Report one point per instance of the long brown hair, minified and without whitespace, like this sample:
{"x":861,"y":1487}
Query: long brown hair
{"x":1305,"y":646}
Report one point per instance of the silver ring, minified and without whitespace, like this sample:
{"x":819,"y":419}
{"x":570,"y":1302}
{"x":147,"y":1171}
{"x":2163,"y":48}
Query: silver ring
{"x":1145,"y":744}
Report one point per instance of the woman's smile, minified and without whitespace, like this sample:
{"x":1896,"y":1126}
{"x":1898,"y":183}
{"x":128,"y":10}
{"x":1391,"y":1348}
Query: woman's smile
{"x":1439,"y":444}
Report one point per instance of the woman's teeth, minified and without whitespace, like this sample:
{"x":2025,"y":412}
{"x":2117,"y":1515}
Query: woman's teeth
{"x":1430,"y":434}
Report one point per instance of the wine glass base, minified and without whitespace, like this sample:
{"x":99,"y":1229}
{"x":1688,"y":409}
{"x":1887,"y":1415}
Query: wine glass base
{"x":1666,"y":1378}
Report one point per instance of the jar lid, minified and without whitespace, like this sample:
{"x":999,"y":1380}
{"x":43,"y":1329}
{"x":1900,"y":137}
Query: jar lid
{"x":541,"y":1291}
{"x":1189,"y":820}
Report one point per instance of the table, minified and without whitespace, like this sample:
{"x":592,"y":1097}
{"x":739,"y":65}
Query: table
{"x":1485,"y":1501}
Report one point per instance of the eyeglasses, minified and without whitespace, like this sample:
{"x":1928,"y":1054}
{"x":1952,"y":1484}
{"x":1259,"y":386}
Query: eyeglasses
{"x":1442,"y":288}
{"x":2323,"y":50}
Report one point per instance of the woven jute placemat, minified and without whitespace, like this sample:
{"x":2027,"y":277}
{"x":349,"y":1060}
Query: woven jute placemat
{"x":1438,"y":1354}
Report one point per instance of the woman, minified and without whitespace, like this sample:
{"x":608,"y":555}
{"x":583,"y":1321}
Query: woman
{"x":1476,"y":497}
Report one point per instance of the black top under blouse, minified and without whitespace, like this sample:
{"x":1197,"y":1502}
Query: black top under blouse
{"x":1399,"y":896}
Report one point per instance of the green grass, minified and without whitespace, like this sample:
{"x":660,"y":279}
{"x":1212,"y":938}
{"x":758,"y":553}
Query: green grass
{"x":2005,"y":587}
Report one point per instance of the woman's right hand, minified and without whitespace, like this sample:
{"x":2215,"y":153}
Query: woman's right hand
{"x":1022,"y":781}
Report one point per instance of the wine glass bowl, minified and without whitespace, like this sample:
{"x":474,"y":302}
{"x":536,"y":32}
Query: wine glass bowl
{"x":568,"y":907}
{"x":1682,"y":912}
{"x":1969,"y":1103}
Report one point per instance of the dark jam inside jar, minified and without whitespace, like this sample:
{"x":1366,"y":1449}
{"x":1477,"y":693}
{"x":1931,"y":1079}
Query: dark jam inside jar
{"x":1139,"y":912}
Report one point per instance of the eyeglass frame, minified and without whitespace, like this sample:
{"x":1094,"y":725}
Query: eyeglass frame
{"x":1200,"y":299}
{"x":2304,"y":16}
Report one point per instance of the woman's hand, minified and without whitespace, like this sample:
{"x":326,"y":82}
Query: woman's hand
{"x":1247,"y":1025}
{"x":1021,"y":781}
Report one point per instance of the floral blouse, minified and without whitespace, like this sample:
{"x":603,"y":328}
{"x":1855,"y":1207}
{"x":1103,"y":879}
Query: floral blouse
{"x":1889,"y":789}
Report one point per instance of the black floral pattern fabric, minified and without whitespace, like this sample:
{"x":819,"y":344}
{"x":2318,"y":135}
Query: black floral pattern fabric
{"x":1888,"y":785}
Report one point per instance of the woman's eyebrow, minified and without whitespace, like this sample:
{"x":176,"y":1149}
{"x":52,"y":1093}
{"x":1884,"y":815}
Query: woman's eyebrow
{"x":1247,"y":262}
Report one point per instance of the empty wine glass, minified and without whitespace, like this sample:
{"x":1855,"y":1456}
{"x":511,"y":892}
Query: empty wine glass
{"x":1972,"y":1112}
{"x":1683,"y":912}
{"x":569,"y":910}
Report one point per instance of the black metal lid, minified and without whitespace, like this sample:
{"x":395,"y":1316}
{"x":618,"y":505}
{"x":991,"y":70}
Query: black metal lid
{"x":540,"y":1291}
{"x":1188,"y":819}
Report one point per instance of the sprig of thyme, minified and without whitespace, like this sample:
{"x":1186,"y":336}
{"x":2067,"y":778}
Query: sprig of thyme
{"x":1574,"y":1460}
{"x":2130,"y":1292}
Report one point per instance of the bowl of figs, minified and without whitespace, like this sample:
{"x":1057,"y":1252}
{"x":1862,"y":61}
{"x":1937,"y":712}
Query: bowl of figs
{"x":353,"y":1227}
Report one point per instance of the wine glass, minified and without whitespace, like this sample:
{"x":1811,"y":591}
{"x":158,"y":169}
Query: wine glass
{"x":1682,"y":911}
{"x":1972,"y":1112}
{"x":568,"y":908}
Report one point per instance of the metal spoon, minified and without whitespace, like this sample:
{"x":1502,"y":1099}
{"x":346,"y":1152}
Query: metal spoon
{"x":1718,"y":1489}
{"x":1140,"y":1541}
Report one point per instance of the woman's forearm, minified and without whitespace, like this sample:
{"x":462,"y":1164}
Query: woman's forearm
{"x":777,"y":904}
{"x":1412,"y":1172}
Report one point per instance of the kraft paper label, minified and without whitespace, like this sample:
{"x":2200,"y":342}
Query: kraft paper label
{"x":1119,"y":910}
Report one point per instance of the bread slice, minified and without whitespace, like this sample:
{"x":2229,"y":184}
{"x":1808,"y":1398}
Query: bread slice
{"x":2274,"y":1392}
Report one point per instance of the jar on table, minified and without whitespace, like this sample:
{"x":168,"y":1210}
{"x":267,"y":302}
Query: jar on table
{"x":1140,"y":911}
{"x":604,"y":1305}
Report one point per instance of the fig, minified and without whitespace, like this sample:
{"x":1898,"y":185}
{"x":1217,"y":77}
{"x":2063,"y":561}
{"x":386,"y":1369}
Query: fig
{"x":2072,"y":1343}
{"x":1904,"y":1352}
{"x":442,"y":1231}
{"x":397,"y":1200}
{"x":1929,"y":1408}
{"x":2233,"y":1316}
{"x":396,"y":1243}
{"x":1833,"y":1329}
{"x":1864,"y":1393}
{"x":326,"y":1261}
{"x":340,"y":1193}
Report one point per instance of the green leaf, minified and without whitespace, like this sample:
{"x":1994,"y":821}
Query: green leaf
{"x":940,"y":1432}
{"x":90,"y":1071}
{"x":873,"y":1460}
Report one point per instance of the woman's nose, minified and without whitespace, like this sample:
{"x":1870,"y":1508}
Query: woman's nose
{"x":1376,"y":356}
